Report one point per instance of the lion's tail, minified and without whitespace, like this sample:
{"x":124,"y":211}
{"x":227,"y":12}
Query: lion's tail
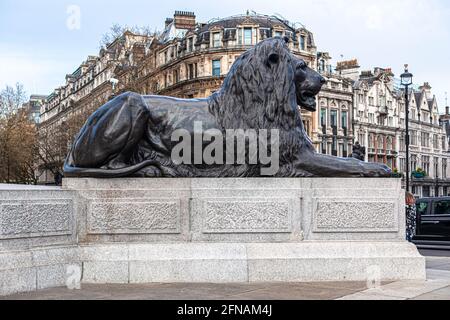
{"x":75,"y":172}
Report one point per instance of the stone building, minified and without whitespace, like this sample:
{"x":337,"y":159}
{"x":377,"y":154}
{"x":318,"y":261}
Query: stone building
{"x":33,"y":107}
{"x":334,"y":135}
{"x":188,"y":60}
{"x":379,"y":125}
{"x":429,"y":145}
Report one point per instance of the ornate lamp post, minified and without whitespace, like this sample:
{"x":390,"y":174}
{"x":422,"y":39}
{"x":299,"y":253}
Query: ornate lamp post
{"x":406,"y":82}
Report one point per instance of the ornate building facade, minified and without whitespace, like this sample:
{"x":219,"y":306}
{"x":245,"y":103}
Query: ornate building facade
{"x":188,"y":60}
{"x":380,"y":125}
{"x":334,"y":134}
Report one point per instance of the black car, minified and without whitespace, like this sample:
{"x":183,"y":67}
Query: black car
{"x":433,"y":222}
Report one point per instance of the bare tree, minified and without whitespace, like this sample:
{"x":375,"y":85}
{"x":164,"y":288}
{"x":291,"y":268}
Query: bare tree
{"x":11,"y":99}
{"x":55,"y":141}
{"x":117,"y":30}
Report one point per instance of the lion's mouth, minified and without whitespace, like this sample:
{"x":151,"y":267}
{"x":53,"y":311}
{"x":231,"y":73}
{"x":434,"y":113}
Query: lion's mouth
{"x":307,"y":100}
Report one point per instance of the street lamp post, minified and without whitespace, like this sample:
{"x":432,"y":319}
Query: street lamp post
{"x":406,"y":82}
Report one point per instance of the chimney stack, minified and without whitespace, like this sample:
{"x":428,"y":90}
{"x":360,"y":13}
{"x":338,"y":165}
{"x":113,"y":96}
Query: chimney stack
{"x":447,"y":110}
{"x":168,"y":21}
{"x":184,"y":20}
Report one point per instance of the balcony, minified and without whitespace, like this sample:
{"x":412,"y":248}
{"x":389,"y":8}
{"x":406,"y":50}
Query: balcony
{"x":383,"y":111}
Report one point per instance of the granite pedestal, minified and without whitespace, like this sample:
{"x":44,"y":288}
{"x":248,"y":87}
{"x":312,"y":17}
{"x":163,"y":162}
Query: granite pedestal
{"x":205,"y":230}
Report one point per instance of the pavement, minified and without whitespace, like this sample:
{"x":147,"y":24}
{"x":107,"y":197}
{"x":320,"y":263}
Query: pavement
{"x":437,"y":287}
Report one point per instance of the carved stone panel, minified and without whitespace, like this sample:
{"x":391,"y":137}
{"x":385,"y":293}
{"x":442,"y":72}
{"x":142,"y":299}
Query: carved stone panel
{"x":35,"y":218}
{"x":355,"y":215}
{"x":247,"y":216}
{"x":133,"y":216}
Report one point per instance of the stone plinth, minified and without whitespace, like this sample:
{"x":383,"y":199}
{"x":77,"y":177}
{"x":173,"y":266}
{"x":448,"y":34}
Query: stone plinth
{"x":205,"y":230}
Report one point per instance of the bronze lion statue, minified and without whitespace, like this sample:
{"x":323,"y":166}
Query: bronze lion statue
{"x":133,"y":135}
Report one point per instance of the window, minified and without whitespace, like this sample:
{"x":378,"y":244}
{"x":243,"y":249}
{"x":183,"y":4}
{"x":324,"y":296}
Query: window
{"x":435,"y":141}
{"x":216,"y":40}
{"x":444,"y":170}
{"x":389,"y":144}
{"x":425,"y":139}
{"x":426,"y":164}
{"x":422,"y":208}
{"x":371,"y":118}
{"x":362,"y":139}
{"x":391,"y":121}
{"x":426,"y":191}
{"x":323,"y":117}
{"x":278,"y":33}
{"x":322,"y":66}
{"x":344,"y":119}
{"x":191,"y":44}
{"x":192,"y":71}
{"x":248,"y":36}
{"x":176,"y":76}
{"x":441,"y":208}
{"x":216,"y":68}
{"x":361,"y":98}
{"x":413,"y":163}
{"x":334,"y":150}
{"x":361,"y":115}
{"x":371,"y":101}
{"x":333,"y":115}
{"x":436,"y":167}
{"x":302,"y":43}
{"x":402,"y":143}
{"x":414,"y":138}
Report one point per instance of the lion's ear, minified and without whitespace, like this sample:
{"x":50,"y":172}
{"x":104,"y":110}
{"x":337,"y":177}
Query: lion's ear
{"x":274,"y":58}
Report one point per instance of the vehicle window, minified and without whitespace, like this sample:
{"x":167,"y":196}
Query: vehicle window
{"x":441,"y":207}
{"x":422,"y":208}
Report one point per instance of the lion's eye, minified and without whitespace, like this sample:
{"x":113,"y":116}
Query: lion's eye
{"x":302,"y":66}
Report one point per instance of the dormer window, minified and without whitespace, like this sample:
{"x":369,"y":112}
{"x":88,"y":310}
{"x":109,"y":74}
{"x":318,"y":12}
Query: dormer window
{"x":278,"y":33}
{"x":322,"y":66}
{"x":191,"y":44}
{"x":217,"y":41}
{"x":248,"y":36}
{"x":303,"y":42}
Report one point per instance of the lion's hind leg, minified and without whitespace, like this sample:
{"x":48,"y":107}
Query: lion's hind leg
{"x":112,"y":133}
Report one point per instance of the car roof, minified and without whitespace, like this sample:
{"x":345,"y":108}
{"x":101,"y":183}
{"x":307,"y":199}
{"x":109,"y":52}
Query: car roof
{"x":434,"y":199}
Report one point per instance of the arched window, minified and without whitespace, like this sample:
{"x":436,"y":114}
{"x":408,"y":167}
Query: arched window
{"x":389,"y":143}
{"x":380,"y":142}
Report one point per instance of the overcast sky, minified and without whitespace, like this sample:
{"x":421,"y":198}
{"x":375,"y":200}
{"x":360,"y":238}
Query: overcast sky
{"x":40,"y":42}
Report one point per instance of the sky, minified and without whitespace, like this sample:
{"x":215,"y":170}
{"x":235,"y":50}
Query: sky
{"x":42,"y":41}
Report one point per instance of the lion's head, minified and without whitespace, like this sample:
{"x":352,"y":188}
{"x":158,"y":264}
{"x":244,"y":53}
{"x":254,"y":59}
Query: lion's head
{"x":264,"y":88}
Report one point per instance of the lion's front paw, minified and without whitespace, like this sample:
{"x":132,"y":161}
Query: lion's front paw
{"x":376,"y":170}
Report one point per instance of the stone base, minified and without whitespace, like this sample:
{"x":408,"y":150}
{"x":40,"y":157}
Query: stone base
{"x":204,"y":230}
{"x":269,"y":262}
{"x":30,"y":270}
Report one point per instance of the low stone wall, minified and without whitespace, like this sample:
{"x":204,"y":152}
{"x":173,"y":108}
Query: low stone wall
{"x":204,"y":230}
